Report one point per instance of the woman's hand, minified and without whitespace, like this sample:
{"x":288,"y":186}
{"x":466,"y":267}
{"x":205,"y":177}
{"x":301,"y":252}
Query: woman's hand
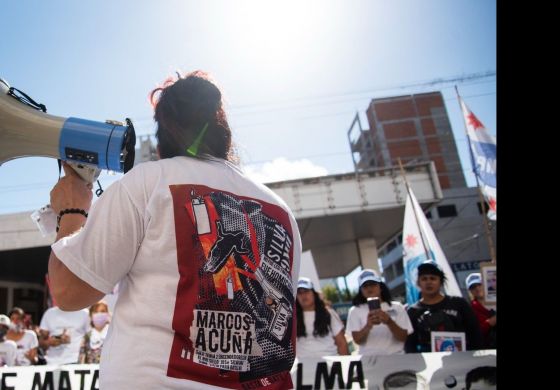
{"x":71,"y":191}
{"x":374,"y":318}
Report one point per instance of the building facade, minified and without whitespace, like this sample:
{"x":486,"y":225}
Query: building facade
{"x":416,"y":128}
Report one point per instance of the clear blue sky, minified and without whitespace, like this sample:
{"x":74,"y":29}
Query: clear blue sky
{"x":294,"y":73}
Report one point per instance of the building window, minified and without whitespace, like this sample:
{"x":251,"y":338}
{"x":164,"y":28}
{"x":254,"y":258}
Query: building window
{"x":392,"y":245}
{"x":447,"y":211}
{"x":389,"y":273}
{"x":399,"y":267}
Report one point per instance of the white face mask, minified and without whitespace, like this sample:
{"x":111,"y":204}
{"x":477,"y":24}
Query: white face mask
{"x":100,"y":319}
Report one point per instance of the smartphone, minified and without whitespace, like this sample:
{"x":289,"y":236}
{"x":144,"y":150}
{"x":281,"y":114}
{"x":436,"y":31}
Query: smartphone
{"x":374,"y":303}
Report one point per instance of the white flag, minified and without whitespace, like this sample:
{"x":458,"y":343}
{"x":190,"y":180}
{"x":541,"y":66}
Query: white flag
{"x":414,"y":251}
{"x":483,"y":147}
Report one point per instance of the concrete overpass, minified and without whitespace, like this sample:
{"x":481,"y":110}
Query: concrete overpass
{"x":342,"y":218}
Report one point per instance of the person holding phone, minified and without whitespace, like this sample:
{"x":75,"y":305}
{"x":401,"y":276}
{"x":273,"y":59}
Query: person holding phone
{"x":376,"y":323}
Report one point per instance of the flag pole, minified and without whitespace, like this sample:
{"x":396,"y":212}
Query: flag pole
{"x":482,"y":201}
{"x":420,"y":230}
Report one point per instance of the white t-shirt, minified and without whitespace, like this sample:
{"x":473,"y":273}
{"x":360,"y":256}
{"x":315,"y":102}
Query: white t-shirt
{"x":313,"y":346}
{"x":76,"y":323}
{"x":207,"y":261}
{"x":380,"y":340}
{"x":8,"y":353}
{"x":27,"y":342}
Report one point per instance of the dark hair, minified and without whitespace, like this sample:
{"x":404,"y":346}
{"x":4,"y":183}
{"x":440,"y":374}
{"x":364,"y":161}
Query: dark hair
{"x":182,"y":108}
{"x":429,"y":269}
{"x":359,"y":298}
{"x":322,"y":318}
{"x":17,"y":310}
{"x":486,"y":373}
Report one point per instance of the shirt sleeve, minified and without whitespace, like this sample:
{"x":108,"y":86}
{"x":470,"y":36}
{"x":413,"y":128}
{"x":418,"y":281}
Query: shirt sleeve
{"x":403,"y":320}
{"x":336,"y":323}
{"x":411,"y":343}
{"x":354,"y":323}
{"x":103,"y":252}
{"x":45,"y":323}
{"x":34,"y":342}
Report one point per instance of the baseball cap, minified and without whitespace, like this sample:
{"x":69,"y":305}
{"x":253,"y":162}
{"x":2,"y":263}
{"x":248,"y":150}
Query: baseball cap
{"x":305,"y":283}
{"x":430,"y":267}
{"x":368,"y":275}
{"x":5,"y":320}
{"x":472,"y":279}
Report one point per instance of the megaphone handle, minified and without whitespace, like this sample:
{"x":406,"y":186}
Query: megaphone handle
{"x":88,"y":173}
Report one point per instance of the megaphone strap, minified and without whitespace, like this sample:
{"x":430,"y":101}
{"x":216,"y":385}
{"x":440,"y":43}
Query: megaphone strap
{"x":26,"y":99}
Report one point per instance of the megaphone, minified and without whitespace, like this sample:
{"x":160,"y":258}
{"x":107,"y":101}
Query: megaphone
{"x":88,"y":146}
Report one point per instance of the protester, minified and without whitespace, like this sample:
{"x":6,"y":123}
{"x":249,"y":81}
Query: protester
{"x":486,"y":317}
{"x":92,"y":342}
{"x":208,"y":259}
{"x":382,"y":331}
{"x":61,"y":334}
{"x":8,"y":348}
{"x":436,"y":311}
{"x":320,"y":332}
{"x":25,"y":339}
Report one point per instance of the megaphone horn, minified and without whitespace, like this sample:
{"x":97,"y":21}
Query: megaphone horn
{"x":87,"y":145}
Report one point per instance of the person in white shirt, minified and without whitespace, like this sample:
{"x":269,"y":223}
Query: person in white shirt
{"x":25,"y":339}
{"x":320,"y":332}
{"x":207,"y":259}
{"x":8,"y":348}
{"x":382,"y":331}
{"x":62,"y":332}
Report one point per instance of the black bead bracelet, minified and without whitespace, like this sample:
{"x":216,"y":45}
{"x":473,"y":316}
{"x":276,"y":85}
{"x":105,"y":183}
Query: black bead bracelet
{"x":68,"y":211}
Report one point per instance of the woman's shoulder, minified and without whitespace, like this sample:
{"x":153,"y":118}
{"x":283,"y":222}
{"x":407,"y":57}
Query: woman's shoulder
{"x":397,"y":305}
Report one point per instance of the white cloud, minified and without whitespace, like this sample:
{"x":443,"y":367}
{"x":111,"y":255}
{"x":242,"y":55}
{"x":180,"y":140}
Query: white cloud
{"x":282,"y":169}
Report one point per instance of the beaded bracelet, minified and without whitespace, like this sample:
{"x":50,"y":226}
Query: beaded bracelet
{"x":68,"y":211}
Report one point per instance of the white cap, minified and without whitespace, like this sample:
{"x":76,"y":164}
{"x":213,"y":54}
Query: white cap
{"x":368,"y":275}
{"x":305,"y":283}
{"x":5,"y":320}
{"x":473,"y":278}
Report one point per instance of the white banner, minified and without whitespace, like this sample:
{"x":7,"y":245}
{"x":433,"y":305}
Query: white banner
{"x":435,"y":370}
{"x":419,"y":238}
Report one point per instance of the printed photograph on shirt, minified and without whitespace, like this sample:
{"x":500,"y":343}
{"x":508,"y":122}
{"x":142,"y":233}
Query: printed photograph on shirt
{"x":448,"y":341}
{"x":234,"y":309}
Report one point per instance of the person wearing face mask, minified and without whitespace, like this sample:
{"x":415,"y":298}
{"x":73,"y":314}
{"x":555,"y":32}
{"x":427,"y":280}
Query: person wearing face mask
{"x":90,"y":350}
{"x":8,"y":348}
{"x":25,"y":339}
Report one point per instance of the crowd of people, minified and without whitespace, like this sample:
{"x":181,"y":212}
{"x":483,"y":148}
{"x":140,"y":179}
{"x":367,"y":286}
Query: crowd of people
{"x":62,"y":337}
{"x":65,"y":337}
{"x":392,"y":328}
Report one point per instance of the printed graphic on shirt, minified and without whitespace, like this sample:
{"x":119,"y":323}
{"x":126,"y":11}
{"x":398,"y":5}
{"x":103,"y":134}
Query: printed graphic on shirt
{"x":234,"y":317}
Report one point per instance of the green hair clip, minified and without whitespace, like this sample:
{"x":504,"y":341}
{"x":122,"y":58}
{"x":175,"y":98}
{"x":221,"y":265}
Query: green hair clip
{"x":193,"y":149}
